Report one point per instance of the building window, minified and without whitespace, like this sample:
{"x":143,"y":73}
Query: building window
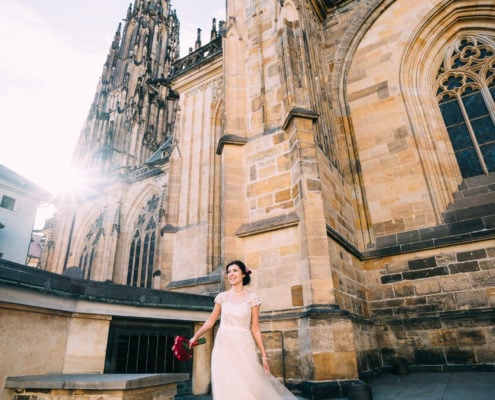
{"x":89,"y":252}
{"x":465,"y":89}
{"x":146,"y":347}
{"x":143,"y":244}
{"x":7,"y":203}
{"x":86,"y":262}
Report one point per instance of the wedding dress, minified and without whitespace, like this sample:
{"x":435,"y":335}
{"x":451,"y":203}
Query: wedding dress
{"x":236,"y":371}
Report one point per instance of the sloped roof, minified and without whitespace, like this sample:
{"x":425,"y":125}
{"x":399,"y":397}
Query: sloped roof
{"x":25,"y":185}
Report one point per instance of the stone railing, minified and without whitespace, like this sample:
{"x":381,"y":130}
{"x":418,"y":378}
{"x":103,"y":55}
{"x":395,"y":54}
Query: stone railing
{"x":197,"y":57}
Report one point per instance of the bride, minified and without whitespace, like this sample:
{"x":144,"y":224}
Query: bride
{"x":236,"y":372}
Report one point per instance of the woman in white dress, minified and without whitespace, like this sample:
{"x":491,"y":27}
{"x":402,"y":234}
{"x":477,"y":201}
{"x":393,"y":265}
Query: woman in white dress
{"x":236,"y":372}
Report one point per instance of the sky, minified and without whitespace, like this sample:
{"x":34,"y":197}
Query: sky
{"x":52,"y":54}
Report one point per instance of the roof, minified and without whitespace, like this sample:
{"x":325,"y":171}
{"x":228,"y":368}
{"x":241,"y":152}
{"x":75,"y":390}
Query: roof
{"x":24,"y":277}
{"x":25,"y":185}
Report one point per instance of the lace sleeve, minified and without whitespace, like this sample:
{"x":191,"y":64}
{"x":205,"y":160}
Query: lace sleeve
{"x":220,"y":298}
{"x":254,"y":300}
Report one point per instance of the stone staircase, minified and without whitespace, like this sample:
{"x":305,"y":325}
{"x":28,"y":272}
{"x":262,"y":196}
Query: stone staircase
{"x":470,"y":217}
{"x":474,"y":203}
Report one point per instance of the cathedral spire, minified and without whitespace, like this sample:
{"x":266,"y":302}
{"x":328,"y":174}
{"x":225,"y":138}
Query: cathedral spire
{"x":128,"y":118}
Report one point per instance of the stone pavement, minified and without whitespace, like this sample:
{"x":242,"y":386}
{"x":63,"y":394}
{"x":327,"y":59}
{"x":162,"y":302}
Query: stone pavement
{"x":461,"y":385}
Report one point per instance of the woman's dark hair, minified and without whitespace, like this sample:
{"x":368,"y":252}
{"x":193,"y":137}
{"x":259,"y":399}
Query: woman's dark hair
{"x":245,"y":271}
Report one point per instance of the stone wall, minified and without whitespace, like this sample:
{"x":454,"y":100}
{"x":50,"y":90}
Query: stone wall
{"x":50,"y":342}
{"x":435,"y":308}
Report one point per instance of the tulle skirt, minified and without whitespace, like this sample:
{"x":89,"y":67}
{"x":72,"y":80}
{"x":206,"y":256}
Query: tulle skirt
{"x":236,"y":371}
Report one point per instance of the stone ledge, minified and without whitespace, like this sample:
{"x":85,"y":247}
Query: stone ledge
{"x":230,"y":139}
{"x":21,"y":276}
{"x":202,"y":280}
{"x":268,"y":224}
{"x":93,"y":381}
{"x":390,"y":245}
{"x":299,"y":112}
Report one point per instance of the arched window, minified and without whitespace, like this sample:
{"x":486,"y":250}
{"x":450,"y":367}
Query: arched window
{"x":465,"y":89}
{"x":88,"y":254}
{"x":142,"y":250}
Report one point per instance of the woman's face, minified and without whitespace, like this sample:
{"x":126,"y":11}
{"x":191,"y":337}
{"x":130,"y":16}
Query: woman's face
{"x":234,"y":274}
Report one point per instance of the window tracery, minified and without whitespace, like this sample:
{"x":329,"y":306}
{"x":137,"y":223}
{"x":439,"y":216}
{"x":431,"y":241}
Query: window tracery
{"x":143,"y":244}
{"x":90,"y":247}
{"x":465,"y":90}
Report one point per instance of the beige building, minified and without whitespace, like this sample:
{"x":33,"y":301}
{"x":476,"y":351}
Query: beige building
{"x":344,"y":149}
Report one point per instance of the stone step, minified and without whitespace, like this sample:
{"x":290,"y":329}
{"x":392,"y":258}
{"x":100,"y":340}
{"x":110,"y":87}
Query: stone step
{"x":477,"y":181}
{"x":474,"y":200}
{"x":469,"y":212}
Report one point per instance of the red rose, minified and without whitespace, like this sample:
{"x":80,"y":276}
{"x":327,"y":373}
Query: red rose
{"x":181,"y":348}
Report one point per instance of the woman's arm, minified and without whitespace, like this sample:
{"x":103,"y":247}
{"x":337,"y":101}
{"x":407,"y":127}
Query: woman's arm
{"x":255,"y":330}
{"x":210,"y":322}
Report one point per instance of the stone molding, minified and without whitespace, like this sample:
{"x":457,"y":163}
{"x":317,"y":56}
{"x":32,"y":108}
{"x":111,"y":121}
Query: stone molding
{"x":268,"y":224}
{"x":299,"y":112}
{"x":230,"y":139}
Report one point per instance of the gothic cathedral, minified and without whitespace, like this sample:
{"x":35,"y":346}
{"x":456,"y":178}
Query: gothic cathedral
{"x":344,"y":149}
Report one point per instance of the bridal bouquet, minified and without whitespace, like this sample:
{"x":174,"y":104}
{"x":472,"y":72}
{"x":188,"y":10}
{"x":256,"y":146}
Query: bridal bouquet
{"x":181,"y":348}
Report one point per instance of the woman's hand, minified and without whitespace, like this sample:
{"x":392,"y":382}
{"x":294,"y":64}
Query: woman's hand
{"x":191,"y":342}
{"x":264,"y":361}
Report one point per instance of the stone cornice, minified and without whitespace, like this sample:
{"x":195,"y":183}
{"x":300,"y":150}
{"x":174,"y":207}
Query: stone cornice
{"x":230,"y":139}
{"x":268,"y":224}
{"x":299,"y":112}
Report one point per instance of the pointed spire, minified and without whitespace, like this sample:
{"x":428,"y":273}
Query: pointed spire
{"x":197,"y":45}
{"x":116,"y":38}
{"x":213,"y":34}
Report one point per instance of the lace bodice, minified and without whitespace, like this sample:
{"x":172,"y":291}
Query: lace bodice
{"x":236,"y":310}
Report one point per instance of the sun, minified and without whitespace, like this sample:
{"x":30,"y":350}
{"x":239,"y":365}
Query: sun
{"x":68,"y":183}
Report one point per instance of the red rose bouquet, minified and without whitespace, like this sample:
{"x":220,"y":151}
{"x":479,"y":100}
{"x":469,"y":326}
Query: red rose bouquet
{"x":181,"y":348}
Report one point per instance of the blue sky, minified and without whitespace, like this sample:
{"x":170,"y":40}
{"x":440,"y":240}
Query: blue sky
{"x":52,"y":55}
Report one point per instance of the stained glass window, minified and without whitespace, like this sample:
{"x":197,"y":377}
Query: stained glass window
{"x":465,"y":89}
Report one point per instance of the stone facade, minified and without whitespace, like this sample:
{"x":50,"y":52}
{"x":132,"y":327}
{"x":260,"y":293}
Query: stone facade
{"x":311,"y":144}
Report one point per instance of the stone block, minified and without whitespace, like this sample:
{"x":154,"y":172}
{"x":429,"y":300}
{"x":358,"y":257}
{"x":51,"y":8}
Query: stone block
{"x":332,"y":366}
{"x":490,"y":294}
{"x":457,"y":356}
{"x":455,"y":284}
{"x":443,"y":337}
{"x":471,"y":255}
{"x":422,"y":263}
{"x":404,"y":290}
{"x":471,"y":337}
{"x":471,"y":300}
{"x":426,"y":273}
{"x":468,"y":266}
{"x":425,"y":287}
{"x":297,"y":296}
{"x":487,"y":264}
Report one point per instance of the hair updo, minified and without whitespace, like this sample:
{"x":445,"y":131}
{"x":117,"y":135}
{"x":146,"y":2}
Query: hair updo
{"x":245,"y":271}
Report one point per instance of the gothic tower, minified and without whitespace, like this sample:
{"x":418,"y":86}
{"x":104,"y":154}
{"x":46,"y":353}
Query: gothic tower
{"x":132,"y":111}
{"x":127,"y":134}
